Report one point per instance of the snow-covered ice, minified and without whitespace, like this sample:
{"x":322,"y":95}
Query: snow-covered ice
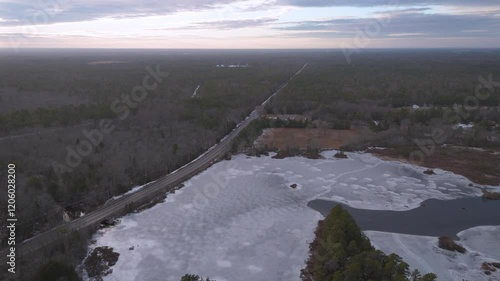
{"x":422,"y":253}
{"x":240,"y":220}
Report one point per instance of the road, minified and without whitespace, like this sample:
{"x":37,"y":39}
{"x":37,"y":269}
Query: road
{"x":171,"y":180}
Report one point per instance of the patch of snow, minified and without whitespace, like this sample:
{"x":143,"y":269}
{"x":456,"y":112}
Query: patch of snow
{"x":233,"y":65}
{"x":133,"y":190}
{"x":464,"y":126}
{"x":195,"y":92}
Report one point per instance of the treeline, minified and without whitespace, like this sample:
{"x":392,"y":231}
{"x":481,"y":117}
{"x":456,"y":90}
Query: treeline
{"x":453,"y":115}
{"x":342,"y":113}
{"x":341,"y":252}
{"x":404,"y":124}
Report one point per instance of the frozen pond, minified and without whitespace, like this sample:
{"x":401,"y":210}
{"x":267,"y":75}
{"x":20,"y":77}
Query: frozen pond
{"x":435,"y":218}
{"x":242,"y":220}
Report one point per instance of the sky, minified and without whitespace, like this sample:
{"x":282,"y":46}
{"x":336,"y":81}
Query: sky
{"x":250,"y":24}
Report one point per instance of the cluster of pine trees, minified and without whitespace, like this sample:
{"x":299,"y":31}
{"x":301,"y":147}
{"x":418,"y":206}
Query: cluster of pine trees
{"x":341,"y":252}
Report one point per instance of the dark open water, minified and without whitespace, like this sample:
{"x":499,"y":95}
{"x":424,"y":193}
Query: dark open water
{"x":435,"y":218}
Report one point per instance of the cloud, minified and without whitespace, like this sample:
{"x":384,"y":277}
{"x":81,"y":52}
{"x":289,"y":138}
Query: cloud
{"x":405,"y":11}
{"x":404,"y":24}
{"x":232,"y":24}
{"x":373,"y":3}
{"x":30,"y":12}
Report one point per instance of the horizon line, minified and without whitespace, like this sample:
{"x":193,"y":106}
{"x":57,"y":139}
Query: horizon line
{"x":257,"y":49}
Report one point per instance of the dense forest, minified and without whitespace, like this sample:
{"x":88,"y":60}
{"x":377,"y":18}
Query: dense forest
{"x":341,"y":252}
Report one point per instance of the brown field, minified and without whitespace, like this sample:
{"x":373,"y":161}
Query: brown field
{"x":479,"y":166}
{"x":283,"y":138}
